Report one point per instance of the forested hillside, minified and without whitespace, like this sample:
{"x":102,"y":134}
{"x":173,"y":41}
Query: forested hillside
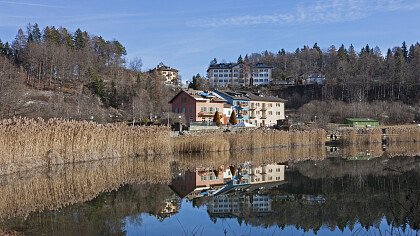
{"x":58,"y":73}
{"x":360,"y":76}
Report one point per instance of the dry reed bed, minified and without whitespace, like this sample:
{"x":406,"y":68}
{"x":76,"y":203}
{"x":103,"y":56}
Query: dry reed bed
{"x":246,"y":140}
{"x":63,"y":185}
{"x":403,"y":134}
{"x":394,"y":134}
{"x":361,"y":136}
{"x":26,"y":143}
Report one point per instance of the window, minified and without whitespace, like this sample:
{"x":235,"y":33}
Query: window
{"x":203,"y":178}
{"x":228,"y":115}
{"x":270,"y":112}
{"x":191,"y":109}
{"x":203,"y":109}
{"x":278,"y":113}
{"x":216,"y":75}
{"x":216,"y":71}
{"x":211,"y":109}
{"x":183,"y":110}
{"x":176,"y":110}
{"x":217,"y":109}
{"x":270,"y":105}
{"x":278,"y":170}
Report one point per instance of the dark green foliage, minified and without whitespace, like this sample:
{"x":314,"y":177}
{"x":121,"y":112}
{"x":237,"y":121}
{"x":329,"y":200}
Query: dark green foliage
{"x":80,"y":39}
{"x":97,"y":85}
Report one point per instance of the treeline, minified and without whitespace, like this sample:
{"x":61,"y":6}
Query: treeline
{"x":79,"y":63}
{"x":352,"y":76}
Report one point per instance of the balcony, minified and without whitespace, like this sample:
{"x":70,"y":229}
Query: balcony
{"x":205,"y":114}
{"x":252,"y":107}
{"x":264,"y":107}
{"x":252,"y":115}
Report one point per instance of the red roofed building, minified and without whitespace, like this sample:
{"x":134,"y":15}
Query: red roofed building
{"x":198,"y":106}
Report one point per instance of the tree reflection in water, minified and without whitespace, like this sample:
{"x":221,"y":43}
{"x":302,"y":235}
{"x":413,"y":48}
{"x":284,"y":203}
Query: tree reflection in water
{"x":380,"y":195}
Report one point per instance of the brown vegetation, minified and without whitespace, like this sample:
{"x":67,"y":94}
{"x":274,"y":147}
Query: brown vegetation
{"x":28,"y":143}
{"x":246,"y":140}
{"x":58,"y":186}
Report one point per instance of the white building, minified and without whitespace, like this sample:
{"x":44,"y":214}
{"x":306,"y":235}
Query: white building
{"x":264,"y":110}
{"x":168,"y":73}
{"x":242,"y":74}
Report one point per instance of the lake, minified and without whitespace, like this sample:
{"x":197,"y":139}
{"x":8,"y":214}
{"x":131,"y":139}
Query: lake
{"x":365,"y":193}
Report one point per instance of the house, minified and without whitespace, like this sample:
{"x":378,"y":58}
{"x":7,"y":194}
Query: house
{"x":239,"y":103}
{"x":241,"y":73}
{"x":362,"y":122}
{"x":169,"y":74}
{"x":197,"y":105}
{"x":265,"y":110}
{"x":313,"y":80}
{"x":238,"y":204}
{"x":191,"y":184}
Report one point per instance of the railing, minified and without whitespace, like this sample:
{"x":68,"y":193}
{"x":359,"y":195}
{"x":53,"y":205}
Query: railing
{"x":205,"y":114}
{"x":264,"y":107}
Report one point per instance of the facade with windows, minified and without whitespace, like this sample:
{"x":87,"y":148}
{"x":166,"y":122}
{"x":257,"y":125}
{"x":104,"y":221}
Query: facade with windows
{"x":265,"y":111}
{"x":238,"y":102}
{"x":198,"y":106}
{"x":242,"y":74}
{"x":169,"y":74}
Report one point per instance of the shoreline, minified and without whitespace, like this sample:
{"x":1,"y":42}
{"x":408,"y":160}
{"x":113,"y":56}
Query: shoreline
{"x":26,"y":143}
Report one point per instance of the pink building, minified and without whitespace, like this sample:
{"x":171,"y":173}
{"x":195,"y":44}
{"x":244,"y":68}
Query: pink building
{"x":197,"y":106}
{"x":191,"y":183}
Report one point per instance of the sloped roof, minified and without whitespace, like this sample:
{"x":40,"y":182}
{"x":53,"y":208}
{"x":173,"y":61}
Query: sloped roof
{"x":200,"y":95}
{"x":232,"y":94}
{"x":255,"y":97}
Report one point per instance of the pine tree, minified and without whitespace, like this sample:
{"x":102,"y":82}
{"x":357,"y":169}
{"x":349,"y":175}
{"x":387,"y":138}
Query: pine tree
{"x":232,"y":119}
{"x":240,"y":60}
{"x":80,"y":39}
{"x":404,"y":50}
{"x":36,"y":33}
{"x":213,"y":62}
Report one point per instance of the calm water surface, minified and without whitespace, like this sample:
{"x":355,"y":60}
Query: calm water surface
{"x":362,"y":195}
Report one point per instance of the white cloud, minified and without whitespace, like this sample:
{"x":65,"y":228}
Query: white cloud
{"x":319,"y":11}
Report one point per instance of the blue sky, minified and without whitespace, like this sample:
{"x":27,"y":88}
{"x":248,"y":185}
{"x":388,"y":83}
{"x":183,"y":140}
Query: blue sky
{"x":187,"y":34}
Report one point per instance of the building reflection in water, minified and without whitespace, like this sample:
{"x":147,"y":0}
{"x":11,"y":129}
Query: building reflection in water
{"x":233,"y":190}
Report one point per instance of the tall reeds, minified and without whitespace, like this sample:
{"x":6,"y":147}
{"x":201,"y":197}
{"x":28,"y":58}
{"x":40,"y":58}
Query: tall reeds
{"x":26,"y":143}
{"x":393,"y":134}
{"x":246,"y":140}
{"x":62,"y":185}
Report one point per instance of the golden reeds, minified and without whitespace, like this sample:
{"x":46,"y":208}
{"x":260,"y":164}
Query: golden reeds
{"x":246,"y":140}
{"x":62,"y":185}
{"x":26,"y":143}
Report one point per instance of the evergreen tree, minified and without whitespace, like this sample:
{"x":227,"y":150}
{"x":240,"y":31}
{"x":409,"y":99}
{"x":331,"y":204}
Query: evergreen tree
{"x":80,"y":39}
{"x":213,"y":62}
{"x":240,"y":60}
{"x":232,"y":119}
{"x":36,"y":33}
{"x":342,"y":53}
{"x":404,"y":50}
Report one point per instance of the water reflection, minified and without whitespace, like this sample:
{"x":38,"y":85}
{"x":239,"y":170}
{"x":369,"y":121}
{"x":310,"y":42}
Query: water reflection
{"x":234,"y":194}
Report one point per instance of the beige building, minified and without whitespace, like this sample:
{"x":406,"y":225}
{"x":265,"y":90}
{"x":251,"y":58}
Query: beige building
{"x":265,"y":111}
{"x":242,"y":74}
{"x":169,"y":74}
